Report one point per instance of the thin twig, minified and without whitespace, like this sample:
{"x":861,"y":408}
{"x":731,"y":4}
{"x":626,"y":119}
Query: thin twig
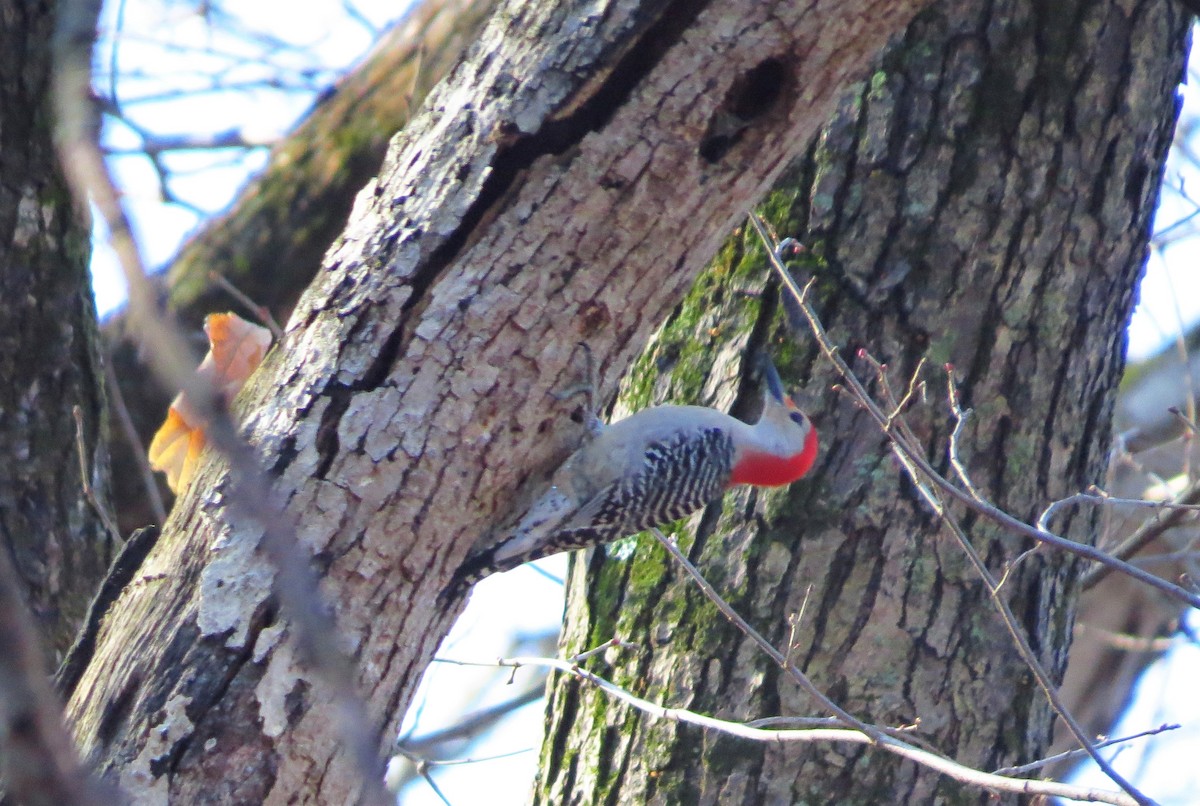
{"x":261,"y":311}
{"x":915,"y":385}
{"x":85,"y":477}
{"x":423,"y":769}
{"x":1186,"y":555}
{"x":472,"y":724}
{"x":989,"y":511}
{"x":794,"y":622}
{"x":409,"y":99}
{"x":905,"y":447}
{"x":1071,"y":755}
{"x":960,"y":422}
{"x":456,"y":762}
{"x":1187,"y":421}
{"x":766,"y":646}
{"x":948,"y":767}
{"x":251,"y":502}
{"x":136,"y":446}
{"x":1099,"y":497}
{"x":542,"y":572}
{"x":1189,"y":382}
{"x":1011,"y":567}
{"x":356,"y":14}
{"x":614,"y":643}
{"x":1124,"y":641}
{"x":1143,"y":536}
{"x":795,"y":722}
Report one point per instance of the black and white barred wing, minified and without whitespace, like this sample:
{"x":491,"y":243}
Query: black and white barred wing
{"x":680,"y":475}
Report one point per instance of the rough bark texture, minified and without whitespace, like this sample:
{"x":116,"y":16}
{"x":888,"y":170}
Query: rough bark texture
{"x":48,"y":350}
{"x":270,"y":243}
{"x":984,"y":199}
{"x":564,"y":184}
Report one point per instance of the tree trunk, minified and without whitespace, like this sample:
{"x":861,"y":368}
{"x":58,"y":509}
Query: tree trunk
{"x":983,"y":200}
{"x":48,"y":351}
{"x":563,"y":185}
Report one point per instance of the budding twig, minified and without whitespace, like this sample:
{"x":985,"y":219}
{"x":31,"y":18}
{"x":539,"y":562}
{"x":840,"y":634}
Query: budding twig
{"x":933,"y":486}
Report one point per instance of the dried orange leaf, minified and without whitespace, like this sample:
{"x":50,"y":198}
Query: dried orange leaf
{"x":236,"y":347}
{"x":175,"y":448}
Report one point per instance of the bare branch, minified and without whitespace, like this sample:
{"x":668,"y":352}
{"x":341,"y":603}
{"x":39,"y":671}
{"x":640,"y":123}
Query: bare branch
{"x":766,"y":646}
{"x":1098,"y":496}
{"x":960,"y":422}
{"x":1143,"y":536}
{"x":1070,"y":755}
{"x":470,"y":725}
{"x":85,"y":476}
{"x":1125,"y":641}
{"x":908,"y":453}
{"x":615,"y":643}
{"x":904,"y":446}
{"x":1188,"y":422}
{"x":261,"y":311}
{"x":455,"y":762}
{"x":136,"y":446}
{"x":952,"y":769}
{"x":250,"y":498}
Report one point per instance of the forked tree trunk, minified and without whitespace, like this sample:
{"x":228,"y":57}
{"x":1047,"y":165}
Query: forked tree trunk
{"x":984,"y":199}
{"x":564,"y":185}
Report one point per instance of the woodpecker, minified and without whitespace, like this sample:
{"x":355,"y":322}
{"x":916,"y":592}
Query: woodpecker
{"x":652,"y":468}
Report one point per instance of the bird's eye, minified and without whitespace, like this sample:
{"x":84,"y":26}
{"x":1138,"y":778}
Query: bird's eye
{"x":798,"y":418}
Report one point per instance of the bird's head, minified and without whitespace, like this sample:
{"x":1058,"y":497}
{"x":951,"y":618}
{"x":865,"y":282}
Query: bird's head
{"x":786,"y":440}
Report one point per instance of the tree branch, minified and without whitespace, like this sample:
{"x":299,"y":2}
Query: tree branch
{"x":252,"y":504}
{"x":905,"y":446}
{"x":966,"y":775}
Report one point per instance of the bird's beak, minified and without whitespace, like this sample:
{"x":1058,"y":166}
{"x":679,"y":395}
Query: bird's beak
{"x":771,"y":375}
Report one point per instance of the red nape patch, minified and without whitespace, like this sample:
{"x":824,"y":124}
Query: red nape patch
{"x":767,"y":470}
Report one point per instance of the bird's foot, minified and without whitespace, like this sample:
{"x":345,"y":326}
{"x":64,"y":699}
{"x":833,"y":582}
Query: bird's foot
{"x":587,"y":387}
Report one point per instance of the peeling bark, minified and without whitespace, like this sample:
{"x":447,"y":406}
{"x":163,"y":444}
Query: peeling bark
{"x":984,"y":200}
{"x":562,"y":185}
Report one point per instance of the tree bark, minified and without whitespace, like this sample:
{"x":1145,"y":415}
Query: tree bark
{"x":49,"y":358}
{"x":564,"y":184}
{"x":984,"y":200}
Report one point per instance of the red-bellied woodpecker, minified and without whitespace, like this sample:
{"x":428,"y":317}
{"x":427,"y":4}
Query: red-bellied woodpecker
{"x":652,"y":468}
